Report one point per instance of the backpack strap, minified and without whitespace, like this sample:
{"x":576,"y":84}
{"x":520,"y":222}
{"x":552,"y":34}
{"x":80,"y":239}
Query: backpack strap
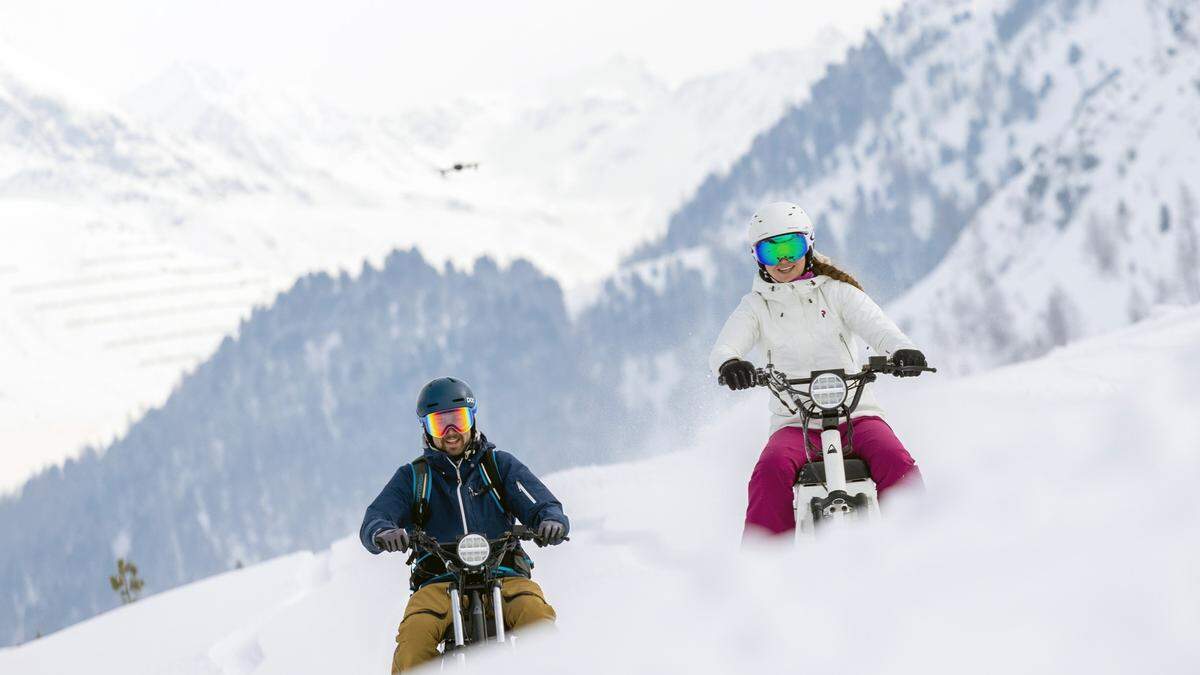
{"x":421,"y":488}
{"x":495,"y":484}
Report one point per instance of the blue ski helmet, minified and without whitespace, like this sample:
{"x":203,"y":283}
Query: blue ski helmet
{"x":444,"y":393}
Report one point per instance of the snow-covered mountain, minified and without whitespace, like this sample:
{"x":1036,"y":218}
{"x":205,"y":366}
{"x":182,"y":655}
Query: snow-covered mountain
{"x":137,"y":238}
{"x":1098,"y":220}
{"x":59,"y":144}
{"x":1058,"y":135}
{"x":1015,"y":560}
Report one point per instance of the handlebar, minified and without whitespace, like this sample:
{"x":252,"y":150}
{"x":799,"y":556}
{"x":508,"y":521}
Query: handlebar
{"x":800,"y":400}
{"x":875,"y":365}
{"x":508,"y":540}
{"x":762,"y":375}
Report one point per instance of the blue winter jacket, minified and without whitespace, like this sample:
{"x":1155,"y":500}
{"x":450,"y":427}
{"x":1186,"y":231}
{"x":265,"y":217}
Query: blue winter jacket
{"x":459,"y":504}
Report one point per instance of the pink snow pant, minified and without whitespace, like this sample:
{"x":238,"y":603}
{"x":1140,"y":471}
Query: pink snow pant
{"x":770,"y":508}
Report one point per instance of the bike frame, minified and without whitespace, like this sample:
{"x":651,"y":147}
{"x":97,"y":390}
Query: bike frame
{"x":476,"y":582}
{"x":842,"y":499}
{"x":835,"y":499}
{"x":475,"y":626}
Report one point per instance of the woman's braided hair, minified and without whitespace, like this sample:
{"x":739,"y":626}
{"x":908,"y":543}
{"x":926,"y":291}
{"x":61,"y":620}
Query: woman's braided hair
{"x":822,"y":265}
{"x":819,"y":264}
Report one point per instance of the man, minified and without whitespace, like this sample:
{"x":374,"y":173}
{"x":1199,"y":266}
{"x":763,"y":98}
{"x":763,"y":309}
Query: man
{"x":462,"y":467}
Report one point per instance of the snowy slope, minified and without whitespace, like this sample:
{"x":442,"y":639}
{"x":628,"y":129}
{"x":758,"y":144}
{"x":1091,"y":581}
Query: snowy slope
{"x":136,"y":239}
{"x":1048,"y":483}
{"x":1100,"y":221}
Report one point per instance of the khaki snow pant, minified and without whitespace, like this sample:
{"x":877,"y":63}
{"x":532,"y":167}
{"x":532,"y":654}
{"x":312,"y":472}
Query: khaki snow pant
{"x":427,"y":617}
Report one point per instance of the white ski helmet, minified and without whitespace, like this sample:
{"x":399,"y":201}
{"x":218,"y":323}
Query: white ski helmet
{"x":779,"y":218}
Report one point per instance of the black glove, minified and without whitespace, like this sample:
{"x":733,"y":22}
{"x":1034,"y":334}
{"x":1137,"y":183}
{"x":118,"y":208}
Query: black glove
{"x":552,"y":532}
{"x":908,"y":358}
{"x":738,"y":374}
{"x":393,"y":540}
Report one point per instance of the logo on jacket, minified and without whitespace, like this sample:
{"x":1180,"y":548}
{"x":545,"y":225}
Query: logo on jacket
{"x":822,"y":314}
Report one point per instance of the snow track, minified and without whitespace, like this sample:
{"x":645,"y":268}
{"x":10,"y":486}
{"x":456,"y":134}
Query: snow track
{"x":1058,"y":534}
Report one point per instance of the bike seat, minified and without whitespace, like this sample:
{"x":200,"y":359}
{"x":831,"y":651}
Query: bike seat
{"x":813,"y":473}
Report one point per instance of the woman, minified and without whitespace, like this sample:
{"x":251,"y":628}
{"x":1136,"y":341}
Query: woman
{"x":806,"y":313}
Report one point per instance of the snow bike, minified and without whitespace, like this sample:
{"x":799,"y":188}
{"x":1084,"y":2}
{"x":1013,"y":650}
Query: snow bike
{"x":473,"y":561}
{"x":833,"y":488}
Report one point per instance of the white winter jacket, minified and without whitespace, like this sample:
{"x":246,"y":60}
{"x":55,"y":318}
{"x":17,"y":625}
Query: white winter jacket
{"x":807,"y":325}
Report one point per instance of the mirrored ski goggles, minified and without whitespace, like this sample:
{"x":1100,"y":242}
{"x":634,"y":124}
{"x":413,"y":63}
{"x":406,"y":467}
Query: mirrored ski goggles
{"x":438,"y":424}
{"x":773,"y":250}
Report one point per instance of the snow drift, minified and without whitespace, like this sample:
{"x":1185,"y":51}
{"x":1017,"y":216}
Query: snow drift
{"x":1058,"y":534}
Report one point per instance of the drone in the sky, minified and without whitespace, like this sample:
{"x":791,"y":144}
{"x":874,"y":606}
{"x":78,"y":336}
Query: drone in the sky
{"x":458,"y":167}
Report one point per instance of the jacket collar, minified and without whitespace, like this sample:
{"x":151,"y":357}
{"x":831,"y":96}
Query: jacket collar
{"x":782,"y":292}
{"x":473,"y":457}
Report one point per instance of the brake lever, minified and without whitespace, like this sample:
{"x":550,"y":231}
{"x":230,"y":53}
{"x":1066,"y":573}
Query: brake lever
{"x":543,"y":544}
{"x":531,"y":536}
{"x":901,"y":371}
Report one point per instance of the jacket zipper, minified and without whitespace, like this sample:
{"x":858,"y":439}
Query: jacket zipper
{"x":525,"y":492}
{"x":848,"y":352}
{"x":462,"y":510}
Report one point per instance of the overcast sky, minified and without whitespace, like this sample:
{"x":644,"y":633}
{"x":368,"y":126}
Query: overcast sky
{"x":370,"y":52}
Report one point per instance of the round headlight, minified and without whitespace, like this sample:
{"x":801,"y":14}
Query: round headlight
{"x":828,"y":391}
{"x":474,"y":549}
